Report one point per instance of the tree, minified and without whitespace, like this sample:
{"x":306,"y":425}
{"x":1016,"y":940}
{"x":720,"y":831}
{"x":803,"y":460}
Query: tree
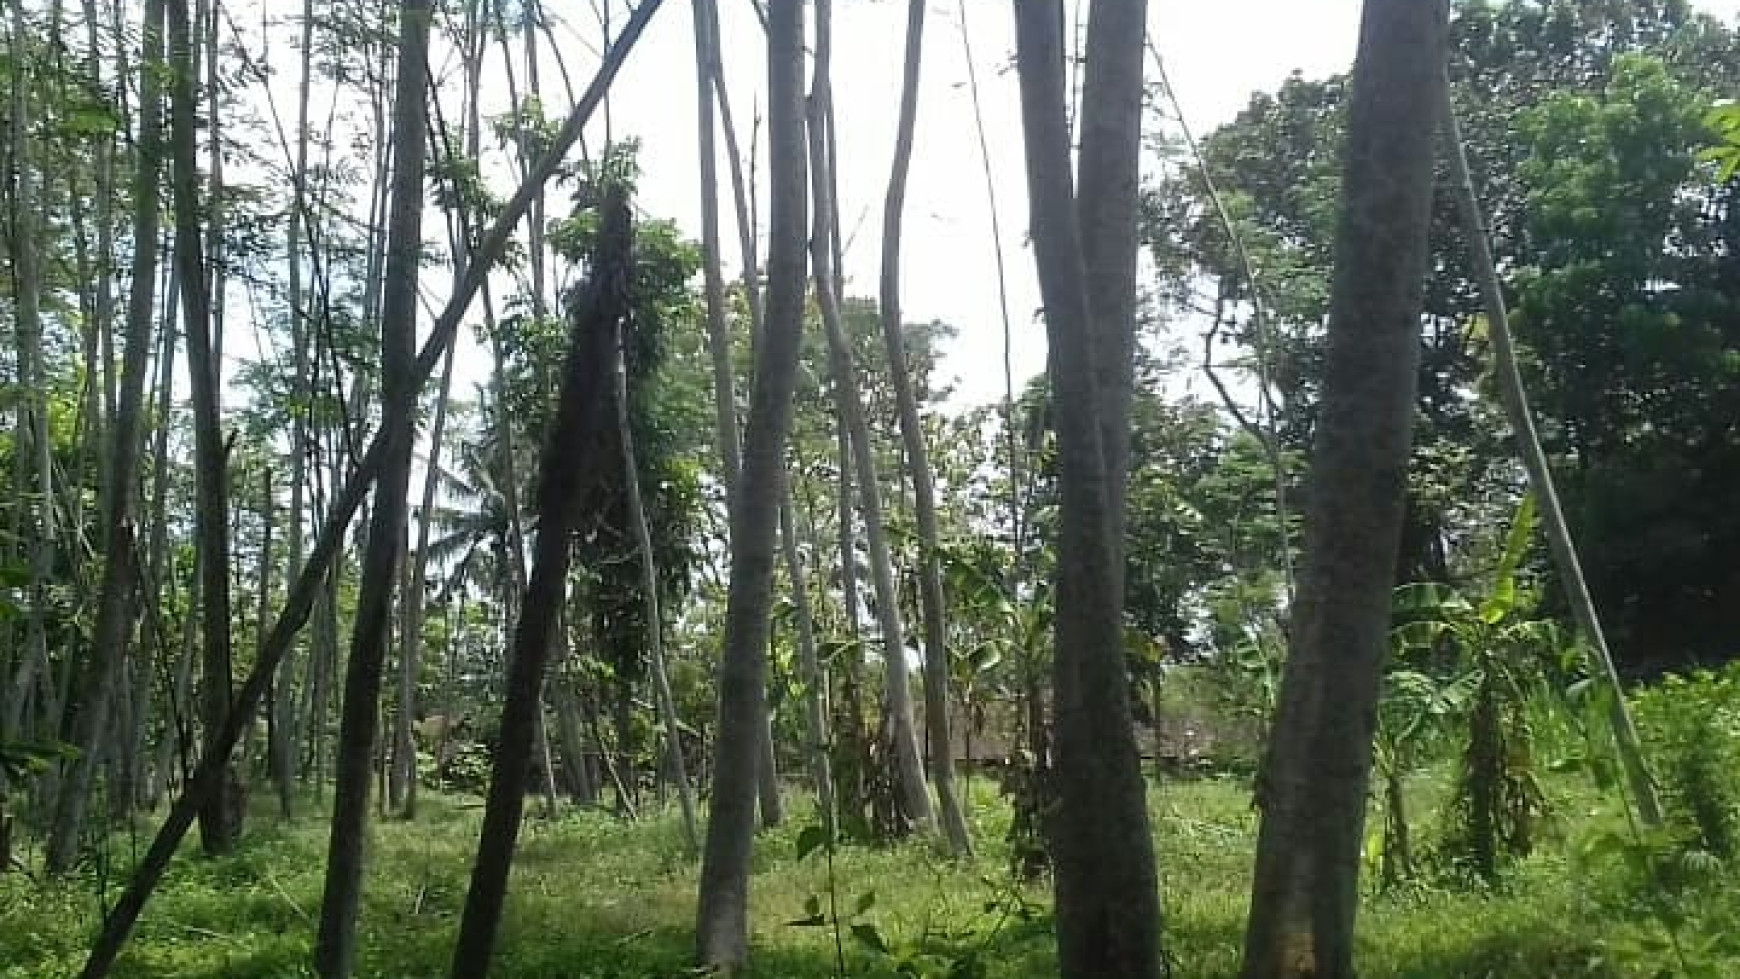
{"x":114,"y":610}
{"x":1314,"y":781}
{"x":936,"y":651}
{"x":721,"y":924}
{"x":581,"y":411}
{"x":220,"y":820}
{"x":1108,"y":915}
{"x":359,"y":729}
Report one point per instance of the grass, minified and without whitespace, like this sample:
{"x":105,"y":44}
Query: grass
{"x":595,"y":898}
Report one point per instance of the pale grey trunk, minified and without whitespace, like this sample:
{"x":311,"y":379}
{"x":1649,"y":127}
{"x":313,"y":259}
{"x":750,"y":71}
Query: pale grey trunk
{"x":810,"y":673}
{"x":710,"y":78}
{"x":936,"y":653}
{"x":1516,"y":407}
{"x":284,"y":728}
{"x":655,"y":630}
{"x":1108,"y":913}
{"x":263,"y":605}
{"x":722,"y":923}
{"x":849,"y":407}
{"x":403,"y":786}
{"x":1315,"y":781}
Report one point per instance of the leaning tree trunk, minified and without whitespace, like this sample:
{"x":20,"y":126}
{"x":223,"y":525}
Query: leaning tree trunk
{"x":1522,"y":423}
{"x":1315,"y":780}
{"x":1108,"y":914}
{"x":580,"y":416}
{"x":114,"y":612}
{"x":722,"y":920}
{"x":930,"y":590}
{"x":300,"y":599}
{"x":359,"y":724}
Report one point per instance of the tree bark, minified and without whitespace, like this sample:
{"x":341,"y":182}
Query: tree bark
{"x":721,"y":928}
{"x":1108,"y":914}
{"x":220,"y":819}
{"x":1534,"y":457}
{"x":710,"y":77}
{"x":335,"y":944}
{"x":930,"y":592}
{"x":299,"y":603}
{"x":655,"y":627}
{"x":1315,"y":780}
{"x":114,"y":611}
{"x":580,"y":416}
{"x":849,"y":407}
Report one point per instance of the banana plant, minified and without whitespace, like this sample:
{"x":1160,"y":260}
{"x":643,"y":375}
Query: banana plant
{"x":1464,"y":668}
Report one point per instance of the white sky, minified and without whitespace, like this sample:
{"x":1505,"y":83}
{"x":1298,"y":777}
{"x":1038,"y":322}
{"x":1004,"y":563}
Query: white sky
{"x":1217,"y":54}
{"x":949,"y":270}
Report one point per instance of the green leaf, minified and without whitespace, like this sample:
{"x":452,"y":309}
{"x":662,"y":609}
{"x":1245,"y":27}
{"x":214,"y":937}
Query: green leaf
{"x":811,"y":839}
{"x":867,"y":936}
{"x":866,"y":901}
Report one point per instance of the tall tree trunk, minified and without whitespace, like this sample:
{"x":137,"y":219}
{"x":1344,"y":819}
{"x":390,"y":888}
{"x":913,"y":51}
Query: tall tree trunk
{"x":849,"y":406}
{"x":403,"y":787}
{"x":710,"y":78}
{"x":722,"y":925}
{"x":1108,"y":914}
{"x":335,"y":946}
{"x":815,"y":681}
{"x":220,"y":820}
{"x":263,"y":606}
{"x":284,"y":729}
{"x":580,"y":416}
{"x":854,"y":744}
{"x":300,"y":600}
{"x":114,"y":610}
{"x":1315,"y":780}
{"x":25,"y":243}
{"x":936,"y":654}
{"x":655,"y":627}
{"x":1516,"y":407}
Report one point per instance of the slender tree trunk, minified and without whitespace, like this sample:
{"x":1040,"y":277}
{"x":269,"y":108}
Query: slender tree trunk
{"x":299,"y":603}
{"x":580,"y":416}
{"x":404,"y":782}
{"x":285,"y":727}
{"x":220,"y":820}
{"x":722,"y":925}
{"x":1516,"y":406}
{"x":650,"y":585}
{"x":263,"y":608}
{"x":936,"y":654}
{"x":335,"y":946}
{"x":1108,"y":914}
{"x":849,"y":405}
{"x":114,"y":612}
{"x":710,"y":78}
{"x":1315,"y":780}
{"x":854,"y":743}
{"x":25,"y":203}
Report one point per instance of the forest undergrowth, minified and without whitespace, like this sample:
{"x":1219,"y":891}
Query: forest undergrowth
{"x":594,"y":897}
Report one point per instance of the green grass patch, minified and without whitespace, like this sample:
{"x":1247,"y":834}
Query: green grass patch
{"x":598,"y":898}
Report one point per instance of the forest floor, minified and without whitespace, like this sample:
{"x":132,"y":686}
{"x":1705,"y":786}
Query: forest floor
{"x":593,"y":897}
